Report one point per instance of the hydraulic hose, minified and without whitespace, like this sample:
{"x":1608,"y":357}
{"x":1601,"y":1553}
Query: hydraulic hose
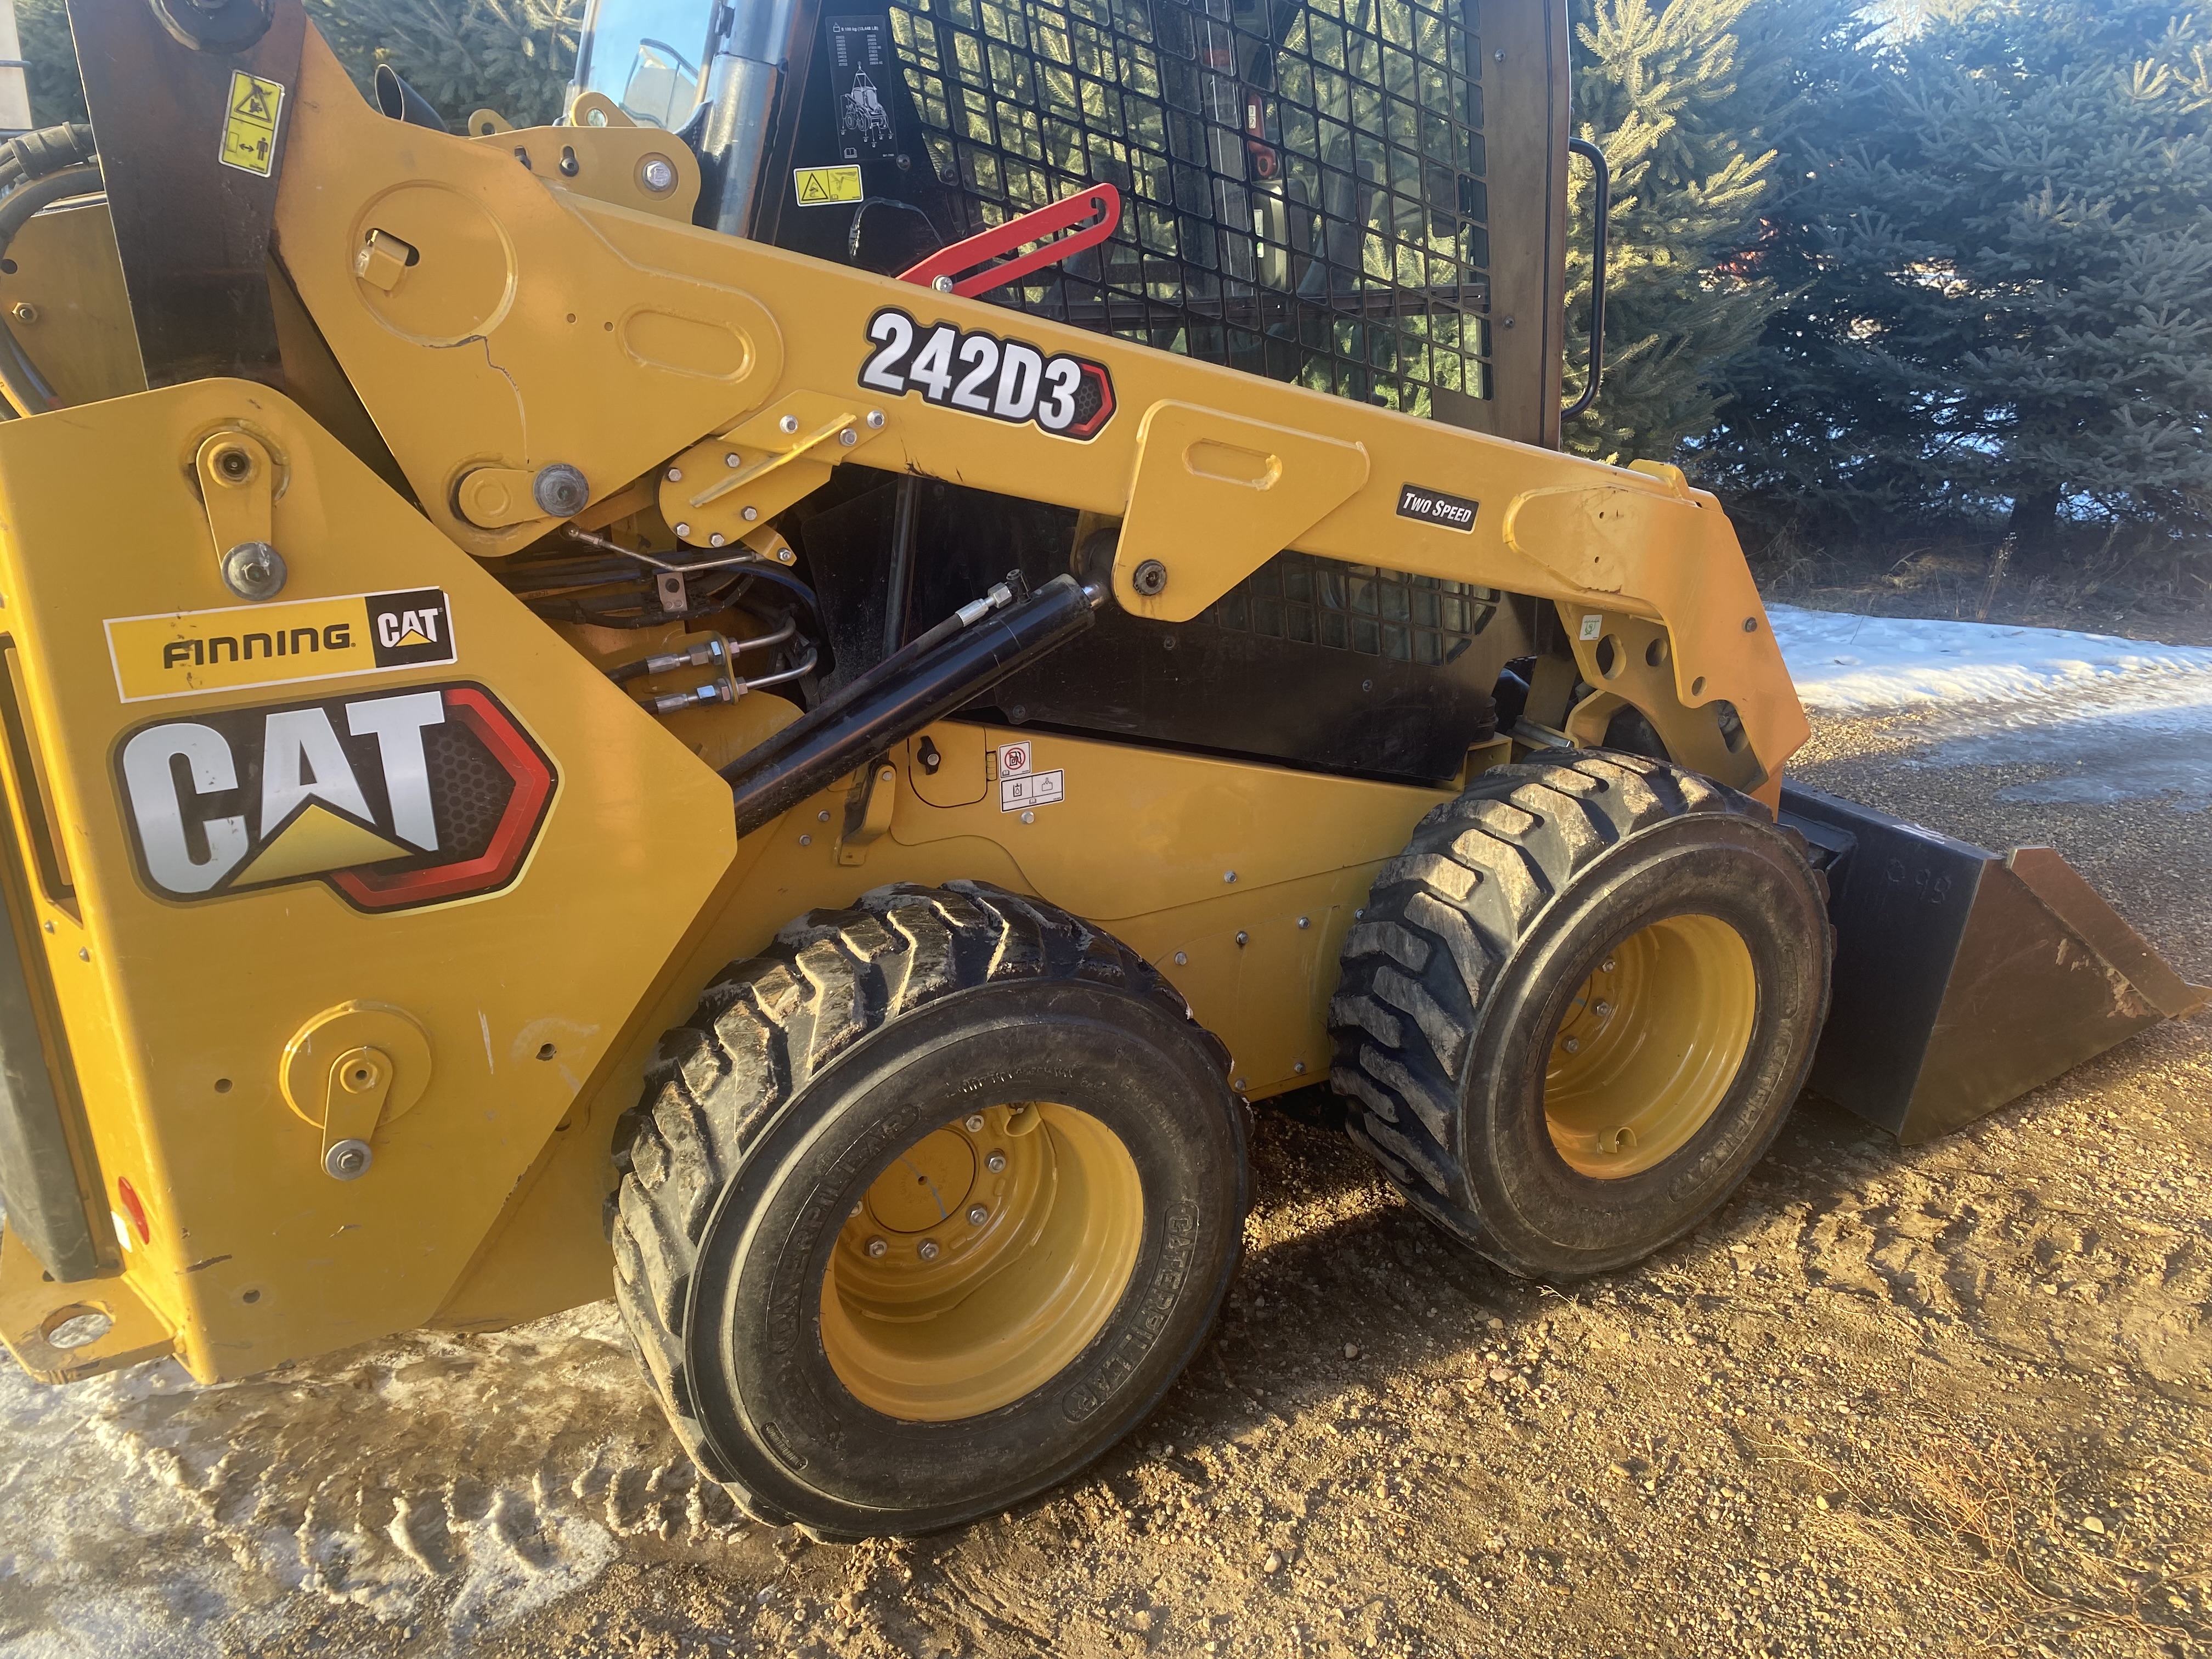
{"x":699,"y":656}
{"x":975,"y":658}
{"x":35,"y":155}
{"x":891,"y":667}
{"x":751,"y":564}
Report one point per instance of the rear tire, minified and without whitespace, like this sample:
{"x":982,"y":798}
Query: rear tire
{"x":834,"y":1333}
{"x":1575,"y":1012}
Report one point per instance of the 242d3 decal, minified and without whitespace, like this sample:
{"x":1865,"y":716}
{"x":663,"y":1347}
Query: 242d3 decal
{"x":393,"y":800}
{"x":1008,"y":380}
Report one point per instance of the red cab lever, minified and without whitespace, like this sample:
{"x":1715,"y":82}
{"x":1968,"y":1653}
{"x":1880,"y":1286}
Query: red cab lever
{"x":1061,"y":230}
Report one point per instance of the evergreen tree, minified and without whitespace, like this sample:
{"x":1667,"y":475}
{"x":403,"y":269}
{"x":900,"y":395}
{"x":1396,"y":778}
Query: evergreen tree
{"x":513,"y":56}
{"x":42,"y":26}
{"x":1685,"y":98}
{"x":2008,"y":248}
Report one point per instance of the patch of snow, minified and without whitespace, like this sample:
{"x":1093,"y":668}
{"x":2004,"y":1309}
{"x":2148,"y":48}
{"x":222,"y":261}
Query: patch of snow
{"x":442,"y":1481}
{"x":2150,"y":740}
{"x":1851,"y":665}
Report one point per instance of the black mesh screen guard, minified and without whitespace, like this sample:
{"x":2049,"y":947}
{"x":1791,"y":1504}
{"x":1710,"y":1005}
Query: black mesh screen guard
{"x":1303,"y":181}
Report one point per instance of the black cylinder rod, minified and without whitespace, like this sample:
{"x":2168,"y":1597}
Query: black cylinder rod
{"x":976,"y":659}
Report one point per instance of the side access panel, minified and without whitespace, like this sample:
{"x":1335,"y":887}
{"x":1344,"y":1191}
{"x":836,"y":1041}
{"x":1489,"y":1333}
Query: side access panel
{"x":385,"y":808}
{"x":1964,"y":978}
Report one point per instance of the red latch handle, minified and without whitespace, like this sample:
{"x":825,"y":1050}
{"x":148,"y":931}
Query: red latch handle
{"x":1086,"y":218}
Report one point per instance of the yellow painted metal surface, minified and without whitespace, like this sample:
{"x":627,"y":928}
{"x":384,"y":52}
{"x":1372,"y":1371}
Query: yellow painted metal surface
{"x":1145,"y":843}
{"x":494,"y":318}
{"x":65,"y":304}
{"x":982,"y":1263}
{"x":181,"y":1007}
{"x":1647,"y":1050}
{"x":34,"y":1312}
{"x":613,"y":341}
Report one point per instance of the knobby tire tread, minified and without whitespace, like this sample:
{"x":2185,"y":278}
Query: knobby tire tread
{"x":767,"y":1026}
{"x":1440,"y":924}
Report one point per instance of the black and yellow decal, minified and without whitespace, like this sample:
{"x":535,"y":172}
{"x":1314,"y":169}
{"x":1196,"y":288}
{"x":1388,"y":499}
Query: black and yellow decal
{"x":245,"y":645}
{"x":249,"y":127}
{"x":394,"y":799}
{"x":825,"y":186}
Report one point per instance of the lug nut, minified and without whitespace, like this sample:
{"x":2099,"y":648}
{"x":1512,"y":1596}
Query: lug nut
{"x":927,"y":1249}
{"x":683,"y":529}
{"x":877,"y":1247}
{"x":1603,"y":1010}
{"x":977,"y":1215}
{"x":1606,"y":967}
{"x":996,"y":1162}
{"x":1573,"y":1045}
{"x":676,"y":474}
{"x":974,"y":1123}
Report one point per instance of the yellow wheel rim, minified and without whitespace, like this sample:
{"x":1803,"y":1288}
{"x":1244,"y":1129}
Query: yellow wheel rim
{"x":1649,"y":1046}
{"x":982,"y":1263}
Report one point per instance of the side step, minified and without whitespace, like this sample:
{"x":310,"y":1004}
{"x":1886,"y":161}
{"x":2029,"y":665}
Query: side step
{"x":1964,"y":978}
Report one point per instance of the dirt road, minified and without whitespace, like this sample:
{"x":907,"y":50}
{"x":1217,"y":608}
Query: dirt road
{"x":1939,"y":1400}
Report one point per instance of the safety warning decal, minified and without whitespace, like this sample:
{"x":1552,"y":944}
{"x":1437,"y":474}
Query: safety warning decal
{"x":249,"y":130}
{"x":393,"y":800}
{"x":244,"y":645}
{"x":1020,"y":787}
{"x":819,"y":186}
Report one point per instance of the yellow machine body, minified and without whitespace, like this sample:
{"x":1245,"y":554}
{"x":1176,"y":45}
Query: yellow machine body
{"x":493,"y":319}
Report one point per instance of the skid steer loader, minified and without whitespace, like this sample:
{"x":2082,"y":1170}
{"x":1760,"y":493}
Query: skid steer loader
{"x":797,"y":690}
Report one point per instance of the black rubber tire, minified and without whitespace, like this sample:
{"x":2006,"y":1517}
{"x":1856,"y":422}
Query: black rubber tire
{"x":1472,"y":945}
{"x":804,"y":1074}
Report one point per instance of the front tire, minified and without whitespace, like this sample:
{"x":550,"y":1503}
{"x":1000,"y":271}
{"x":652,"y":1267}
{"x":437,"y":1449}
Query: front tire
{"x":1575,"y":1012}
{"x":932,"y":1203}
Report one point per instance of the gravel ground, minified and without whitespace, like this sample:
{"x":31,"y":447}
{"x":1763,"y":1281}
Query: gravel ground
{"x":1949,"y":1399}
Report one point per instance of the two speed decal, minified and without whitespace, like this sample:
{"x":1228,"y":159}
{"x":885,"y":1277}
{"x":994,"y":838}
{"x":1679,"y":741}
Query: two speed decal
{"x":1008,"y":380}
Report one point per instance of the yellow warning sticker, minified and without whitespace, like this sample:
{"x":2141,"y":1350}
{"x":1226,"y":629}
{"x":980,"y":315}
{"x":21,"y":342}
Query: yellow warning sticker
{"x":818,"y":186}
{"x":249,"y":131}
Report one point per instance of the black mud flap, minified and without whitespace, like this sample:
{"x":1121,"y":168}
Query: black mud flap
{"x":39,"y":1192}
{"x":1964,"y":978}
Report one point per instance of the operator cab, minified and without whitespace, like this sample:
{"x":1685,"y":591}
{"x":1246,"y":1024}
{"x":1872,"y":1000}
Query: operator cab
{"x":1371,"y":207}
